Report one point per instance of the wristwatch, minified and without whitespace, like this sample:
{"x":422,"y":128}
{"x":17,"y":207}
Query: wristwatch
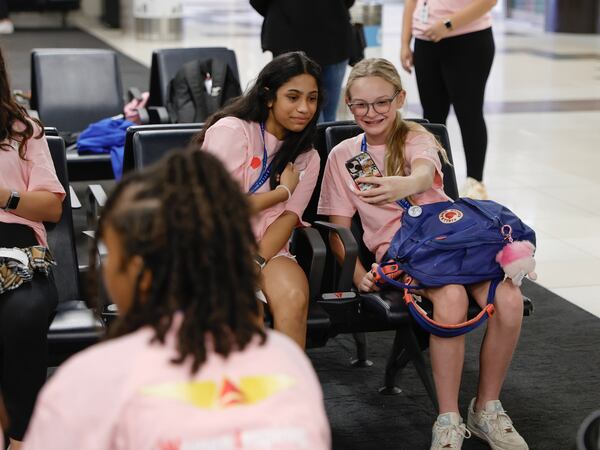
{"x":13,"y":201}
{"x":262,"y":262}
{"x":448,"y":24}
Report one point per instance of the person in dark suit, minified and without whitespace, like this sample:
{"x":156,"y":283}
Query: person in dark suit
{"x":319,"y":28}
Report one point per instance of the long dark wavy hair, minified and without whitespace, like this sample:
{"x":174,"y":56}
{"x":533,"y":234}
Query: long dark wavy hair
{"x":190,"y":223}
{"x":11,"y":112}
{"x":253,"y":106}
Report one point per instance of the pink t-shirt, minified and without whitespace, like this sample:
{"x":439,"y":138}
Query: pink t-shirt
{"x":36,"y":173}
{"x":441,"y":10}
{"x":380,"y":223}
{"x":239,"y":146}
{"x":126,"y":394}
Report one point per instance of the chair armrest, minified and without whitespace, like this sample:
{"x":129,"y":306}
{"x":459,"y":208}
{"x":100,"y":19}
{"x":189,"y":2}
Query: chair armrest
{"x":75,"y":203}
{"x":75,"y":316}
{"x":144,"y":116}
{"x":158,"y":114}
{"x":317,"y":257}
{"x":134,"y":93}
{"x":96,"y":201}
{"x":101,"y":248}
{"x":350,"y":253}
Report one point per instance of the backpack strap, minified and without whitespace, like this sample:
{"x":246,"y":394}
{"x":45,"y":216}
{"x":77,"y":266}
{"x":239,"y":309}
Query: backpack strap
{"x":385,"y":269}
{"x":419,"y":314}
{"x":443,"y":330}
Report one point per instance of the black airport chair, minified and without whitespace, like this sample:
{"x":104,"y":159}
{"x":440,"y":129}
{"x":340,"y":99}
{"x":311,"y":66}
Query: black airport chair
{"x":307,"y":244}
{"x":72,"y":88}
{"x":75,"y":326}
{"x":164,"y":66}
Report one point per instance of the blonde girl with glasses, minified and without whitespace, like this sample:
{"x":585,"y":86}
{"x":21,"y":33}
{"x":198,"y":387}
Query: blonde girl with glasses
{"x":408,"y":157}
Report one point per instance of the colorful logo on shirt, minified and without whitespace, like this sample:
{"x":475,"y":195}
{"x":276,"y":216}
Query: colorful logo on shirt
{"x":450,"y":216}
{"x":224,"y":394}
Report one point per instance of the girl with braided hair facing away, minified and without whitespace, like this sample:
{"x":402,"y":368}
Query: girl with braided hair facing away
{"x":187,"y":363}
{"x":30,"y":194}
{"x":264,"y":138}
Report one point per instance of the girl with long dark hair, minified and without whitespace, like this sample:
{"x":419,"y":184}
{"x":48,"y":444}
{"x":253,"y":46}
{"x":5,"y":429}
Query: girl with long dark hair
{"x":264,"y":138}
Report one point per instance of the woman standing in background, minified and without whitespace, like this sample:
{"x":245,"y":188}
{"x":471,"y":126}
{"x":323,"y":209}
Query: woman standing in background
{"x":453,"y":55}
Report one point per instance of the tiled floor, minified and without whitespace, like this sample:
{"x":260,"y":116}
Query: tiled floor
{"x":543,"y":103}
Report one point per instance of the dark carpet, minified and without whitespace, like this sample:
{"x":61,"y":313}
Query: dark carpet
{"x":553,"y":384}
{"x":554,"y":381}
{"x":17,"y":49}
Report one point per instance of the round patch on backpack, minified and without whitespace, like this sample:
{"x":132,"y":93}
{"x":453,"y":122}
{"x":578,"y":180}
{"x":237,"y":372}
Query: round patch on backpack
{"x":450,"y":215}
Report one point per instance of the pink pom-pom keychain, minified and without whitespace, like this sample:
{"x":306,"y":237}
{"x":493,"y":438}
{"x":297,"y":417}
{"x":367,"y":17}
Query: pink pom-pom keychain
{"x":517,"y":258}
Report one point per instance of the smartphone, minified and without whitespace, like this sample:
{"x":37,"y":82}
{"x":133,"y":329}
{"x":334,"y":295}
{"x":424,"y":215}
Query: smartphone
{"x":362,"y":165}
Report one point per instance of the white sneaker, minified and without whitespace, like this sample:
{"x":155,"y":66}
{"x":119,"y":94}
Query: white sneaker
{"x":474,"y":189}
{"x":6,"y":27}
{"x":495,"y":427}
{"x":449,"y":431}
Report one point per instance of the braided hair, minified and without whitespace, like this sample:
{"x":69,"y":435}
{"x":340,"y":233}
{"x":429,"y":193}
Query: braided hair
{"x":189,"y":222}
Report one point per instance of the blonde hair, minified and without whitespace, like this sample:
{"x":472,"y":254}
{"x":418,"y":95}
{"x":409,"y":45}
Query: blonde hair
{"x":396,"y":139}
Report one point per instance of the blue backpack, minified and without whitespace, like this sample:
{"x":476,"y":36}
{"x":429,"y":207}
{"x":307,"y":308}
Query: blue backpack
{"x":451,"y":243}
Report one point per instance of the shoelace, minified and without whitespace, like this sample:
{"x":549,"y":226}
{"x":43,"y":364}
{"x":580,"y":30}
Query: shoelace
{"x":500,"y":421}
{"x":450,"y":436}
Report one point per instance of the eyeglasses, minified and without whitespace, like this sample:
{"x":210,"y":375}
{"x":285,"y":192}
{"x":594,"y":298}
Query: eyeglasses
{"x":361,"y":109}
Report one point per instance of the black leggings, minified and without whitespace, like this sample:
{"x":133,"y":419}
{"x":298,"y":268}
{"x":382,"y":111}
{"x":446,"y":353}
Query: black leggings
{"x":25,"y":314}
{"x":454,"y":72}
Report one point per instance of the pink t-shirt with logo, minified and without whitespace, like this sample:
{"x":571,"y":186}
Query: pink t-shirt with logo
{"x":380,"y":223}
{"x":442,"y":9}
{"x":36,"y":173}
{"x":239,"y":146}
{"x":126,"y":394}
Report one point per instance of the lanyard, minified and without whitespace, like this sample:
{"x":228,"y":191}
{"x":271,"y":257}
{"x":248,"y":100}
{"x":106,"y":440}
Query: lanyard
{"x":265,"y":171}
{"x":404,"y":204}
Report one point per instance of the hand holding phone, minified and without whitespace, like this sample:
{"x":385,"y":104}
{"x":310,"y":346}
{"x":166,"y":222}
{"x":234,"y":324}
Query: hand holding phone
{"x":362,"y":165}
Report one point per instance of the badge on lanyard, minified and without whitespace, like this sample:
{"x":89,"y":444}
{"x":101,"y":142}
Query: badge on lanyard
{"x":265,"y":171}
{"x":424,"y":16}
